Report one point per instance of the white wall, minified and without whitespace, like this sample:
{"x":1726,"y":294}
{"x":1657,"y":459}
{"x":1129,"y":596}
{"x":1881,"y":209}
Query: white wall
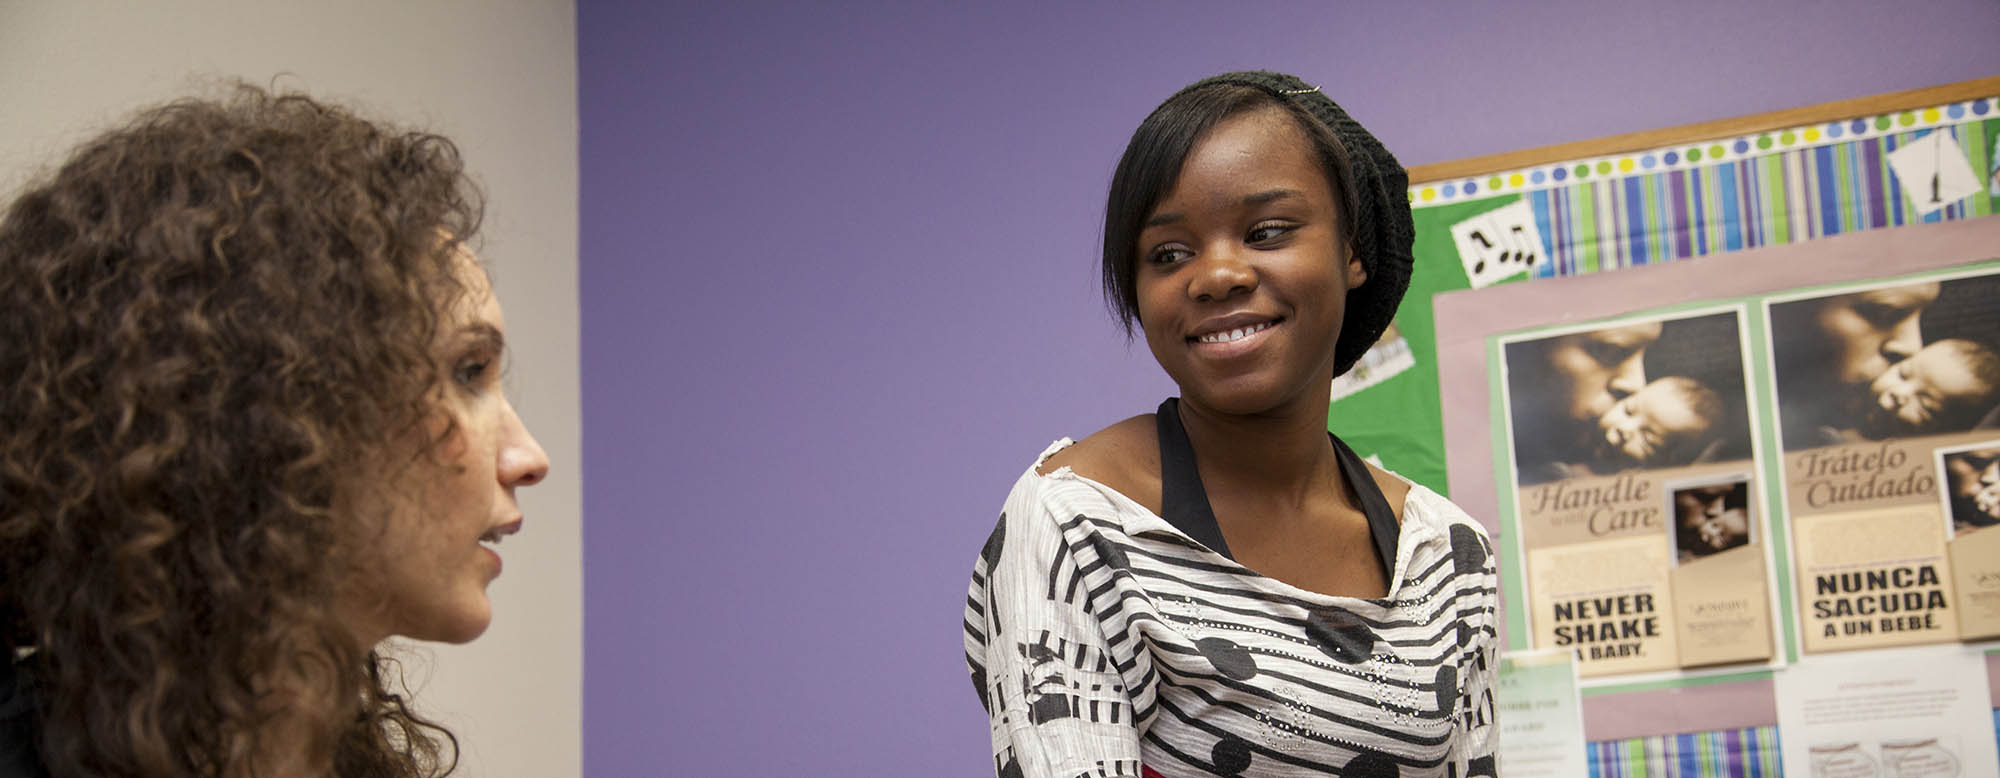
{"x":497,"y":76}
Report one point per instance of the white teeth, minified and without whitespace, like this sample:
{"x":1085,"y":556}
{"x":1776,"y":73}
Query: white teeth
{"x":490,"y":538}
{"x":1239,"y":333}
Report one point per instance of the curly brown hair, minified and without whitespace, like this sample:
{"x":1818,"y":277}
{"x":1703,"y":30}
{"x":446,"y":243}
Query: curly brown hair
{"x":213,"y":316}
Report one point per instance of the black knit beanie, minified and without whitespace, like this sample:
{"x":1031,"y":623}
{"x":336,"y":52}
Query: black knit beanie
{"x":1383,"y":233}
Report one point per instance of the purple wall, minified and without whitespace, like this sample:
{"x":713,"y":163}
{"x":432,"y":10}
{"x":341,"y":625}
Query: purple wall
{"x":838,"y":289}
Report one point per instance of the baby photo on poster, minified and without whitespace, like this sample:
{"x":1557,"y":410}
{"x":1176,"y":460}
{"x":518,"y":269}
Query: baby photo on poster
{"x":1635,"y":395}
{"x":1969,"y":486}
{"x":1887,"y":362}
{"x":1711,"y":515}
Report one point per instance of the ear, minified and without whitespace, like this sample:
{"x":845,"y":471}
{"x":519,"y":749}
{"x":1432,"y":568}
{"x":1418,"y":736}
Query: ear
{"x":1357,"y":271}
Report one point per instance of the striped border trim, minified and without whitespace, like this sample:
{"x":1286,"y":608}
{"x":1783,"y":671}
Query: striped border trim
{"x":1694,"y":155}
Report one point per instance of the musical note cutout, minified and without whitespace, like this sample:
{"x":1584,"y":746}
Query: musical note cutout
{"x":1499,"y":244}
{"x":1934,"y":172}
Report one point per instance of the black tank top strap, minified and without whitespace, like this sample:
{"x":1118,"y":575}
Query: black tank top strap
{"x":1382,"y":524}
{"x":1184,"y":503}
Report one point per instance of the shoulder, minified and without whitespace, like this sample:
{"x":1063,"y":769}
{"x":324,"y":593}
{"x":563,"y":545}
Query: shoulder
{"x":1054,"y":519}
{"x":1395,"y":490}
{"x":1465,"y":538}
{"x":1124,"y":457}
{"x":1078,"y":478}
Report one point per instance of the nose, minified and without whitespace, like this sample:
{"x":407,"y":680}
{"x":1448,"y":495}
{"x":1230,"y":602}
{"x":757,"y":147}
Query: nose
{"x":1618,"y":425}
{"x":1629,"y":377}
{"x":522,"y":460}
{"x":1221,"y":272}
{"x":1904,"y":339}
{"x":1890,"y":400}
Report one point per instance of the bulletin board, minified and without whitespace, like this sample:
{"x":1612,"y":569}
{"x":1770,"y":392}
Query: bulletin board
{"x":1707,"y":204}
{"x":1644,"y":199}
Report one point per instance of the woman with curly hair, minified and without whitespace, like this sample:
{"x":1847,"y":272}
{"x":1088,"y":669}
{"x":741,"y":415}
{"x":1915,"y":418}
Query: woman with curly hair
{"x":252,"y":425}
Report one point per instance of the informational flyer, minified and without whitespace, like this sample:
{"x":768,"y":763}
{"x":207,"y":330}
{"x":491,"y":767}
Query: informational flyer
{"x":1888,"y":412}
{"x":1540,"y":714}
{"x":1969,"y":496}
{"x":1634,"y":464}
{"x":1752,"y":480}
{"x":1899,"y":712}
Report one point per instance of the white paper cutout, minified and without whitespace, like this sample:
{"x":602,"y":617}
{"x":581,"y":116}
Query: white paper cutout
{"x":1389,"y":357}
{"x":1934,"y":172}
{"x":1499,"y":244}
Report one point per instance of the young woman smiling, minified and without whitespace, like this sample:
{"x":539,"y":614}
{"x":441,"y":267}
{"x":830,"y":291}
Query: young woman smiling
{"x":1222,"y":587}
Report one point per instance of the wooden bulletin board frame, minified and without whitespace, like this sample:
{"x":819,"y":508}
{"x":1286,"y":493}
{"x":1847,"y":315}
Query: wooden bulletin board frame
{"x":1839,"y":110}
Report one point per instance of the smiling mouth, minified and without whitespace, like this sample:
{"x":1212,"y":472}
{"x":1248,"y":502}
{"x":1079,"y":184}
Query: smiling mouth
{"x":494,"y":535}
{"x":1233,"y":335}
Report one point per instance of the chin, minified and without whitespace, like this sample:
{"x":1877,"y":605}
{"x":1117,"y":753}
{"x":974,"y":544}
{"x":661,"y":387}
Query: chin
{"x":1245,"y":397}
{"x":1877,"y":425}
{"x":466,"y":633}
{"x":454,"y":634}
{"x":1604,"y":460}
{"x":462,"y":626}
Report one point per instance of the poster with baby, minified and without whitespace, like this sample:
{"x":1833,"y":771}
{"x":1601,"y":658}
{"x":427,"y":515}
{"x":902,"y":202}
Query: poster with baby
{"x":1634,"y":461}
{"x":1888,"y":413}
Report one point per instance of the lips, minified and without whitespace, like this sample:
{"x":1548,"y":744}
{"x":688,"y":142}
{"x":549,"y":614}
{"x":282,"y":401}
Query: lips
{"x":1232,"y":328}
{"x":1229,"y":336}
{"x":493,"y":535}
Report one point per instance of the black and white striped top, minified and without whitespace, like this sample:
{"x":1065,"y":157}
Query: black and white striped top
{"x":1102,"y":637}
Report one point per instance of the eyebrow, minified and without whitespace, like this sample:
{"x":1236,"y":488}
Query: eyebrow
{"x":483,"y":335}
{"x":1256,"y":198}
{"x":1619,"y":340}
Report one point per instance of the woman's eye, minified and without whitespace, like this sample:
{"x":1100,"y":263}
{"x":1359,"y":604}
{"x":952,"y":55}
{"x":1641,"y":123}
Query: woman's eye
{"x":1885,"y":317}
{"x":1167,"y":255}
{"x":469,"y":373}
{"x":1268,"y":232}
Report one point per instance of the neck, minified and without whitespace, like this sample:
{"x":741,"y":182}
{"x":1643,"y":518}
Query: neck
{"x":303,"y":709}
{"x":306,"y":702}
{"x":281,"y":749}
{"x":1282,"y":452}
